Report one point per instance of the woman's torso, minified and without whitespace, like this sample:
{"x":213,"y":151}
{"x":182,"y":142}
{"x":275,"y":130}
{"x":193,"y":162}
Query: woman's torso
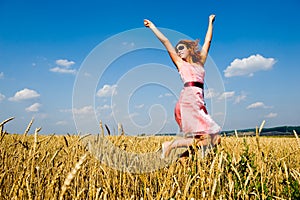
{"x":192,"y":73}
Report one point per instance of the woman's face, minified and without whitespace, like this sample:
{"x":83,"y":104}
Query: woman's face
{"x":182,"y":51}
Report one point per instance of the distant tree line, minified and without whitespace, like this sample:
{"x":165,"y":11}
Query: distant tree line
{"x":280,"y":130}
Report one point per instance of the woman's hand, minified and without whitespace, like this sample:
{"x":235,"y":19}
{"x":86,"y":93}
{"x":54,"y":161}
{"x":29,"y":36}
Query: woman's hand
{"x":212,"y":18}
{"x":148,"y":23}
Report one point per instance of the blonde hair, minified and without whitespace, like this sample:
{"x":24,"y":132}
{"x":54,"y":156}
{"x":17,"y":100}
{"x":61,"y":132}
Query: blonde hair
{"x":193,"y":47}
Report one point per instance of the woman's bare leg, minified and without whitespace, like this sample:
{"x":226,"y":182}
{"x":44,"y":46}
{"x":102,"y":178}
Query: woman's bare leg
{"x":182,"y":142}
{"x":215,"y":139}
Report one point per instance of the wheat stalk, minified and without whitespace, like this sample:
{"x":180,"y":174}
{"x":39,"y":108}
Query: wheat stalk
{"x":4,"y":122}
{"x":28,"y":127}
{"x":71,"y":175}
{"x":297,"y":138}
{"x":2,"y":134}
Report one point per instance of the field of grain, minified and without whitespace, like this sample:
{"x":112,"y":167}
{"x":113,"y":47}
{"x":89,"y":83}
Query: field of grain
{"x":37,"y":166}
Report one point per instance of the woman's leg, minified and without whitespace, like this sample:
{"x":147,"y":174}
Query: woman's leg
{"x":215,"y":139}
{"x":177,"y":114}
{"x":182,"y":142}
{"x":206,"y":143}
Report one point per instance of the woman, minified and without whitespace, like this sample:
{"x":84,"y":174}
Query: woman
{"x":190,"y":111}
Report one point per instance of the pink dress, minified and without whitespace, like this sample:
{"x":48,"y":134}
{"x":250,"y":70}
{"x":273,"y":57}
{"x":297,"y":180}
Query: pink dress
{"x":190,"y":111}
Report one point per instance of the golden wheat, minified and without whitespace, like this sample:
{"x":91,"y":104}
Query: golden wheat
{"x":37,"y":166}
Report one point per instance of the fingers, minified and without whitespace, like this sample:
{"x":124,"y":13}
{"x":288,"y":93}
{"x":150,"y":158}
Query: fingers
{"x":147,"y":22}
{"x":212,"y":18}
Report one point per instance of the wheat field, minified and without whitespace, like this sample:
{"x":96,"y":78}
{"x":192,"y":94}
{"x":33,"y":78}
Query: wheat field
{"x":37,"y":166}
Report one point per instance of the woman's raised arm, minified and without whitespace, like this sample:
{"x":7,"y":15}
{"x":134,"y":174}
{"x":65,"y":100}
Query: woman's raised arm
{"x":208,"y":38}
{"x":165,"y":41}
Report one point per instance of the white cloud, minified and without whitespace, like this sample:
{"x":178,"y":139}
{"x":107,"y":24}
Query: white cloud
{"x":230,"y":95}
{"x":165,"y":95}
{"x":33,"y":108}
{"x":107,"y":91}
{"x":86,"y":110}
{"x":104,"y":107}
{"x":64,"y":63}
{"x":271,"y":115}
{"x":227,"y":95}
{"x":257,"y":105}
{"x":61,"y":123}
{"x":240,"y":98}
{"x":247,"y":66}
{"x":24,"y":94}
{"x":132,"y":115}
{"x":210,"y":93}
{"x":139,"y":106}
{"x":63,"y":67}
{"x":63,"y":70}
{"x":2,"y":97}
{"x":1,"y":75}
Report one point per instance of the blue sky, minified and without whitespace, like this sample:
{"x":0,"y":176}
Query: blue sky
{"x":46,"y":45}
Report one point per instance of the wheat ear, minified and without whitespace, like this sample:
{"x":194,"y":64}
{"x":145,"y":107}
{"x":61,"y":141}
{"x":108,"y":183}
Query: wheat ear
{"x":71,"y":175}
